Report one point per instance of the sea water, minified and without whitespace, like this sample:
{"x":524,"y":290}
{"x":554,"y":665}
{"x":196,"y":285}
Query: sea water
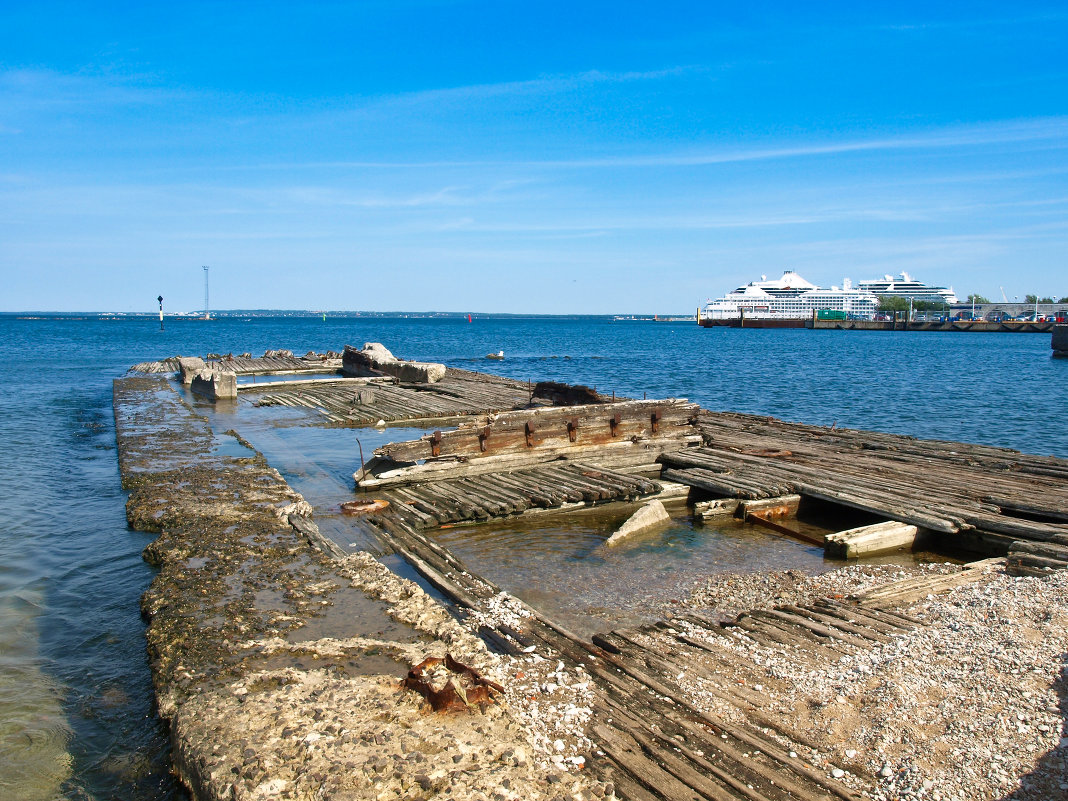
{"x":76,"y":712}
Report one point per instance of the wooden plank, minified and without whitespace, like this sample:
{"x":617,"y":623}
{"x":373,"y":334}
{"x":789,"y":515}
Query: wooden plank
{"x":547,"y":427}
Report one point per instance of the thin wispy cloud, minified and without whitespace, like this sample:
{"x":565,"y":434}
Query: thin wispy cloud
{"x":51,"y":90}
{"x":1051,"y":132}
{"x":999,"y":23}
{"x":542,"y":85}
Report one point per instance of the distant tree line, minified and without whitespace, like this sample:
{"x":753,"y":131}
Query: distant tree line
{"x":1027,"y":299}
{"x":893,"y":303}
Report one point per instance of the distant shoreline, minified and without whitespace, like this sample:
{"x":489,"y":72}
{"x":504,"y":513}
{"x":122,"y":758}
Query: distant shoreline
{"x":230,"y":314}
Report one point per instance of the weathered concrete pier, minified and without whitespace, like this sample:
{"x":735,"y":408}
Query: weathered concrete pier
{"x":1060,"y":341}
{"x":894,"y":324}
{"x":278,"y":655}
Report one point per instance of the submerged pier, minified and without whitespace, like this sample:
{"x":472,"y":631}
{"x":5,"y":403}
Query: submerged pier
{"x":278,"y":652}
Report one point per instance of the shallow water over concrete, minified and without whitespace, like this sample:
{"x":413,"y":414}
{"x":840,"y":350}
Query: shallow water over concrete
{"x":556,"y":562}
{"x":561,"y":565}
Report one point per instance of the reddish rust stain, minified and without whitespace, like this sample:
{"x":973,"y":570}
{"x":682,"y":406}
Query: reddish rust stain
{"x":363,"y":507}
{"x":460,"y":693}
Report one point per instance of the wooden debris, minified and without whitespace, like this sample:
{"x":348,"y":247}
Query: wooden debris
{"x":718,"y":507}
{"x":550,"y":428}
{"x":985,"y":497}
{"x":1036,"y":558}
{"x":902,"y":592}
{"x":486,"y":496}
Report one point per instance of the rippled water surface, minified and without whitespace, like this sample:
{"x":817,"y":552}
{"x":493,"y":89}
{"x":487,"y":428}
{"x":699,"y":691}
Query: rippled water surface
{"x":76,"y":715}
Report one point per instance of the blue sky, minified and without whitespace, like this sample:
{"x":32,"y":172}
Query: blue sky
{"x":524,"y":157}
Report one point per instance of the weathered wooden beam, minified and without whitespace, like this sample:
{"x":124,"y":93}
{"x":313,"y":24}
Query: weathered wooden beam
{"x":382,"y":473}
{"x":550,"y":427}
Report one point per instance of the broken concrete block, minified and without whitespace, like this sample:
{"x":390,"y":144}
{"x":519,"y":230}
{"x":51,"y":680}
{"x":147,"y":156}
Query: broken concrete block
{"x":651,"y":516}
{"x":870,"y":540}
{"x":720,"y":507}
{"x":416,"y":372}
{"x":376,"y":351}
{"x":215,"y":384}
{"x":376,"y":359}
{"x":189,"y":366}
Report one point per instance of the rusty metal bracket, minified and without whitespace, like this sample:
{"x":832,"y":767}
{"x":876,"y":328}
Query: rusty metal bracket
{"x":483,"y":439}
{"x":613,"y":423}
{"x":572,"y":429}
{"x":654,"y":420}
{"x":435,"y":444}
{"x":529,"y":428}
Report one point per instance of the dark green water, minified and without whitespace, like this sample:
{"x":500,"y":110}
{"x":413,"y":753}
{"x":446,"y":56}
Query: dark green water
{"x":76,"y":716}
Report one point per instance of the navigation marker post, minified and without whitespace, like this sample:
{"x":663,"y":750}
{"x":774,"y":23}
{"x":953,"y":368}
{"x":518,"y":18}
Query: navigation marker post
{"x":160,"y":299}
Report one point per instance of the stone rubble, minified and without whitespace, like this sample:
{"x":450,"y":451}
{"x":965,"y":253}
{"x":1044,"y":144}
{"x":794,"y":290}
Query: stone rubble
{"x":972,"y":704}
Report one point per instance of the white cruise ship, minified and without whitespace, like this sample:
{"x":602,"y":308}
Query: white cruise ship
{"x":790,"y":298}
{"x":908,"y":287}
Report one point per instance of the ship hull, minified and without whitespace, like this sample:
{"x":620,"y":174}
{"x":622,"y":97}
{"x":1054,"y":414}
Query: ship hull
{"x":754,"y":322}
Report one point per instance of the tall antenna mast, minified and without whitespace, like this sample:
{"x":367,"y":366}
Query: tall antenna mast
{"x":206,"y":305}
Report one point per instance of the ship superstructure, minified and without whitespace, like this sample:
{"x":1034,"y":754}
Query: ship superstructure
{"x":908,"y":287}
{"x":791,"y":297}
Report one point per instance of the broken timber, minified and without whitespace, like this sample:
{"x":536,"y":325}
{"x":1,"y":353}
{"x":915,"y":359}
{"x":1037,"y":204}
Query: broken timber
{"x":630,"y":432}
{"x":974,"y":497}
{"x":481,"y":497}
{"x":654,"y":742}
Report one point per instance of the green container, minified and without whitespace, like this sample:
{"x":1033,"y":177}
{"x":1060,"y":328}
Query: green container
{"x":830,"y":314}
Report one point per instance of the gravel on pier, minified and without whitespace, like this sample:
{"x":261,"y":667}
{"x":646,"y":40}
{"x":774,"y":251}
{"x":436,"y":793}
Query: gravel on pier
{"x":972,"y":704}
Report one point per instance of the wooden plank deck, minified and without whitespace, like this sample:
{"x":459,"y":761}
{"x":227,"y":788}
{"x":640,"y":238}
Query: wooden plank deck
{"x":273,"y":361}
{"x":458,"y":395}
{"x":509,"y":494}
{"x":981,"y":495}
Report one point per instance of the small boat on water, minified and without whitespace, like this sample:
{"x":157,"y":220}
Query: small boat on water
{"x":498,"y":355}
